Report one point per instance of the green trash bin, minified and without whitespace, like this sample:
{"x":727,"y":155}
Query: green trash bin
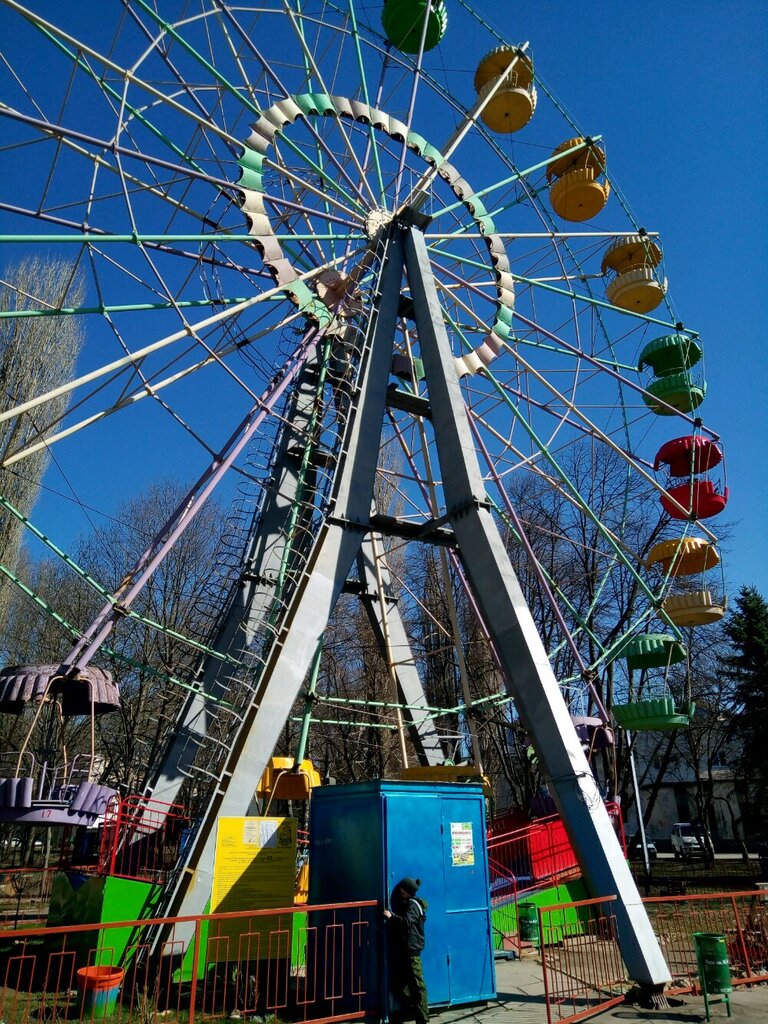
{"x":714,"y":968}
{"x":528,"y":922}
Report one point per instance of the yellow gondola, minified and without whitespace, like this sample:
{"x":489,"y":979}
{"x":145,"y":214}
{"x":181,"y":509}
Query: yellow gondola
{"x":696,"y":608}
{"x":683,"y":557}
{"x":574,"y":190}
{"x":283,"y":781}
{"x":514,"y":102}
{"x":633,"y":259}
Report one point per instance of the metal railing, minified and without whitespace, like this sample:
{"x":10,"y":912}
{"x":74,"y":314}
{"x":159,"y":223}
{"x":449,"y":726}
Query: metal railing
{"x":539,"y":854}
{"x":584,"y":973}
{"x":534,"y":856}
{"x":583,"y":970}
{"x":308,"y":964}
{"x":141,"y":838}
{"x":741,"y":917}
{"x":526,"y":860}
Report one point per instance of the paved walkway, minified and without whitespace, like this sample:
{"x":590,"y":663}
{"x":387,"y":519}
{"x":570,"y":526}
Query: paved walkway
{"x":520,"y":988}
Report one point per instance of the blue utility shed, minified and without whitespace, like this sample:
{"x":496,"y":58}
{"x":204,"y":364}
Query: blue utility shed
{"x":366,"y":836}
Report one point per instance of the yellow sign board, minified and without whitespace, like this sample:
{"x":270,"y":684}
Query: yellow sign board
{"x":255,"y":869}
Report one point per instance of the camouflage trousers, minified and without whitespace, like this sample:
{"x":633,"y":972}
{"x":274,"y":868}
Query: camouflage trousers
{"x":410,"y":988}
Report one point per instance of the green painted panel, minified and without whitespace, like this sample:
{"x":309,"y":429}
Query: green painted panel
{"x":432,"y":155}
{"x":184,"y":973}
{"x":251,"y":179}
{"x":323,"y":103}
{"x":317,"y":310}
{"x":124,"y":900}
{"x":77,"y":899}
{"x":417,"y":142}
{"x":251,"y":170}
{"x":504,"y":314}
{"x":500,"y":328}
{"x":306,"y":103}
{"x":299,"y":939}
{"x":504,"y":921}
{"x":302,"y":296}
{"x":477,"y":206}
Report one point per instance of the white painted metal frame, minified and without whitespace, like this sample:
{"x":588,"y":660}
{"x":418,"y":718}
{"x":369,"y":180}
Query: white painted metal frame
{"x":528,"y":674}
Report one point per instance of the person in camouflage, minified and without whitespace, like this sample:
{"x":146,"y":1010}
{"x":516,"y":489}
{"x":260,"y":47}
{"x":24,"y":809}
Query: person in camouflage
{"x":406,"y":922}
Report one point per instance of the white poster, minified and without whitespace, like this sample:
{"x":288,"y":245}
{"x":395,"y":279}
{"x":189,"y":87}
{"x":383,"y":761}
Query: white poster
{"x":462,"y":844}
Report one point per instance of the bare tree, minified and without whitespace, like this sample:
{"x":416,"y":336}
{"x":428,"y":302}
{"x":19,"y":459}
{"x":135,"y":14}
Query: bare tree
{"x":355,"y":739}
{"x":184,"y":594}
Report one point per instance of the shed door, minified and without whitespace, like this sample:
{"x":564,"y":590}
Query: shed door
{"x":470,"y":956}
{"x":413,"y":842}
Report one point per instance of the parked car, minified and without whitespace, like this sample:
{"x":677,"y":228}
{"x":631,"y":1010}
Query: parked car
{"x":689,"y":841}
{"x":635,"y":848}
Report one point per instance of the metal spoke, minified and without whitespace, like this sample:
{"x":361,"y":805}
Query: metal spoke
{"x":363,"y":180}
{"x":193,"y":329}
{"x":237,"y":93}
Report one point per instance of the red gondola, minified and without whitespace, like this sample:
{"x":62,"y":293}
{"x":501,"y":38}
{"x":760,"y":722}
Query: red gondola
{"x":686,"y":455}
{"x":689,"y":457}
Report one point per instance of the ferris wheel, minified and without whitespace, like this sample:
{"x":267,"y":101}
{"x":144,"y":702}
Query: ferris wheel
{"x":221,"y":178}
{"x":233,"y":183}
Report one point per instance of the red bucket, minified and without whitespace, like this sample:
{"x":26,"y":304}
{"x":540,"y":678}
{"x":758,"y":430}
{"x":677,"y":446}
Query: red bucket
{"x":100,"y":987}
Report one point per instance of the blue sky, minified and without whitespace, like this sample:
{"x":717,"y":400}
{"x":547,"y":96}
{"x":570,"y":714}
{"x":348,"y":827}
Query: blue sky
{"x":678,"y":92}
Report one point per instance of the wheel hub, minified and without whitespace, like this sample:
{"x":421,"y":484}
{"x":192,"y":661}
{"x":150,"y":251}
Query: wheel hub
{"x":377,"y":219}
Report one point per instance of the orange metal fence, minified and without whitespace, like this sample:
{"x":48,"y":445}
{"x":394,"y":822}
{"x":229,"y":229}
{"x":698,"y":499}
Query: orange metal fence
{"x":308,"y":964}
{"x":741,"y":917}
{"x":584,"y":973}
{"x":319,"y":964}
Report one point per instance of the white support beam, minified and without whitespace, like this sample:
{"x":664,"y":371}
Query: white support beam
{"x":528,"y":674}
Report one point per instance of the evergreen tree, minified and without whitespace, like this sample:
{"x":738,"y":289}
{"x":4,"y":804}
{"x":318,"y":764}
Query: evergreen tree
{"x":747,"y":668}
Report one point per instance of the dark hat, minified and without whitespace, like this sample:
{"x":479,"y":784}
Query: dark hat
{"x":410,"y":885}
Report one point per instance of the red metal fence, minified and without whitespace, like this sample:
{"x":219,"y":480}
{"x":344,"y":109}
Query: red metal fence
{"x":528,"y":859}
{"x":521,"y":861}
{"x":308,"y":964}
{"x":318,"y":963}
{"x":583,"y":970}
{"x":537,"y":855}
{"x":584,"y":973}
{"x":741,"y":917}
{"x":141,"y":838}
